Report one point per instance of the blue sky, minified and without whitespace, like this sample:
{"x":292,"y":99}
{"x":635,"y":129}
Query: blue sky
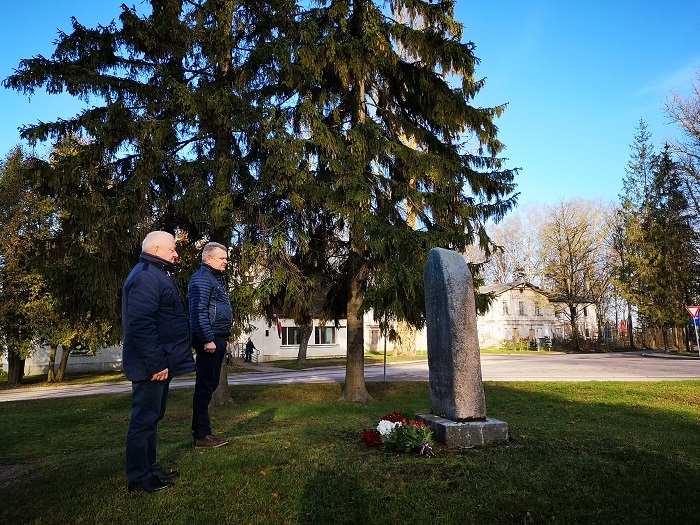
{"x":577,"y":77}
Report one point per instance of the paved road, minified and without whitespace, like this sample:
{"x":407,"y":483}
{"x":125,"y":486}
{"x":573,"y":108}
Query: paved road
{"x":628,"y":366}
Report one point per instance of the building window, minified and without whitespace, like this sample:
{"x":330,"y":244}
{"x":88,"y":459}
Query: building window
{"x":521,"y":307}
{"x":585,"y":311}
{"x":290,"y":335}
{"x":374,"y":334}
{"x":505,"y":308}
{"x":324,"y":335}
{"x":538,"y":310}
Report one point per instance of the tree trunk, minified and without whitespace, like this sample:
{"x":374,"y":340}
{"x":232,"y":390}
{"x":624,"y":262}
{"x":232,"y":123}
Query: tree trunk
{"x":52,"y":363}
{"x":355,"y":389}
{"x":304,"y":335}
{"x":15,"y":368}
{"x":629,"y":325}
{"x":63,"y":365}
{"x":664,"y":333}
{"x":222,"y":395}
{"x":574,"y":328}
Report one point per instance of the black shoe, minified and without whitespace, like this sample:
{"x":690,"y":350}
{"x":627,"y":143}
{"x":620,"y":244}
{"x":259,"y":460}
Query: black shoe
{"x":165,"y":476}
{"x":150,"y":485}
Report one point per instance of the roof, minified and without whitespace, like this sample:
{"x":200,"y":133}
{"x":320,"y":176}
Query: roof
{"x":499,"y":288}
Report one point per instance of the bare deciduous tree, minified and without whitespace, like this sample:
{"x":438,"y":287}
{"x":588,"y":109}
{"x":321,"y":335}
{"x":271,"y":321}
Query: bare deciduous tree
{"x":685,"y":112}
{"x":575,"y":270}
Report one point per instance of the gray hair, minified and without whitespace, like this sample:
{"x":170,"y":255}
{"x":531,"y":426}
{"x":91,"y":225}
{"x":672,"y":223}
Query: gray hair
{"x":153,"y":240}
{"x":210,"y":247}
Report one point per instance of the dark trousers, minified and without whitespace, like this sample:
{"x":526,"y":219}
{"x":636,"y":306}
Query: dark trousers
{"x":208,"y":369}
{"x":148,"y":402}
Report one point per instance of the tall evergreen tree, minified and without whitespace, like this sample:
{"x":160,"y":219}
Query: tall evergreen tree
{"x":390,"y":132}
{"x":635,"y":190}
{"x":217,"y":118}
{"x":165,"y":141}
{"x":639,"y":174}
{"x":665,"y":260}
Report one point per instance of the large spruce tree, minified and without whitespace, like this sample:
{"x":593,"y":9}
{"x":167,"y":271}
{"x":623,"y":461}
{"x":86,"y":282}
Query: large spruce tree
{"x":164,"y":140}
{"x":332,"y":139}
{"x":666,"y":256}
{"x":636,"y":186}
{"x":391,"y":138}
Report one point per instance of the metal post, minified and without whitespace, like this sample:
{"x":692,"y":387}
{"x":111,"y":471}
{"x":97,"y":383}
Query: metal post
{"x":694,"y":312}
{"x":385,"y":334}
{"x":696,"y":333}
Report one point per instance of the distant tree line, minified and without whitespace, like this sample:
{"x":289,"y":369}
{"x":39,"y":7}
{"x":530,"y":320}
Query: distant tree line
{"x":638,"y":258}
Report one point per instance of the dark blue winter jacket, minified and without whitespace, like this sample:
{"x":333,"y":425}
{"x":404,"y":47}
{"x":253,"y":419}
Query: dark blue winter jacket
{"x":210,"y":305}
{"x":156,"y":327}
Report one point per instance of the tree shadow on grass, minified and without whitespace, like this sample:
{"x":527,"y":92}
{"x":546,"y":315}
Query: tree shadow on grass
{"x":333,"y":497}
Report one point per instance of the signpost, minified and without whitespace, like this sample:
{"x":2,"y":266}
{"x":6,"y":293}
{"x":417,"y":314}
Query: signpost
{"x":693,"y":311}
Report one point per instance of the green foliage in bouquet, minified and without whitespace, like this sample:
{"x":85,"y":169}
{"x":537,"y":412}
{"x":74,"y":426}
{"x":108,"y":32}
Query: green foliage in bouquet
{"x":410,"y":436}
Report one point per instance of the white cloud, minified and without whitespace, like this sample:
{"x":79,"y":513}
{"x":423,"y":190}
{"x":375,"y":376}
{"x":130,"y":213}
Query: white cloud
{"x":675,"y":81}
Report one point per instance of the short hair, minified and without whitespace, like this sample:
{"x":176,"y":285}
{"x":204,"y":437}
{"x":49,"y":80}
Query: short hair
{"x":154,"y":239}
{"x":210,"y":247}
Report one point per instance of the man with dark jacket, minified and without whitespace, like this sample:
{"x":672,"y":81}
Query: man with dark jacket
{"x":156,"y":349}
{"x":211,"y":318}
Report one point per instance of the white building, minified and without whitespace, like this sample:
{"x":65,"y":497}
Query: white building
{"x":281,"y":341}
{"x":521,"y":310}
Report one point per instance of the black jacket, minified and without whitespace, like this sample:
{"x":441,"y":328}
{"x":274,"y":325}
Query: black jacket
{"x":154,"y":317}
{"x":210,"y":305}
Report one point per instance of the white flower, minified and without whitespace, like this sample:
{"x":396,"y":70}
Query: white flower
{"x":385,"y":427}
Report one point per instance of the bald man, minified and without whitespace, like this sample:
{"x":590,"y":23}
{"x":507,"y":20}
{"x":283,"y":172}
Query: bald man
{"x":156,"y":349}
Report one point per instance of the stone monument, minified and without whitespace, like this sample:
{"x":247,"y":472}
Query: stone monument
{"x":457,"y":402}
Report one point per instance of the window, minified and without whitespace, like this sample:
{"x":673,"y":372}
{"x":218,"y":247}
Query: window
{"x":505,"y":307}
{"x":585,"y":311}
{"x":374,"y":334}
{"x":538,"y":310}
{"x":521,"y":307}
{"x":290,"y":335}
{"x":324,"y":335}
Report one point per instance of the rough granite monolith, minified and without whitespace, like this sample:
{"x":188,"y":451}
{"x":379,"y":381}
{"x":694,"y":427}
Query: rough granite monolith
{"x":457,"y":401}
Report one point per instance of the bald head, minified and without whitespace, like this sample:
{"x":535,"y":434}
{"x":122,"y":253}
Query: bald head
{"x":161,"y":244}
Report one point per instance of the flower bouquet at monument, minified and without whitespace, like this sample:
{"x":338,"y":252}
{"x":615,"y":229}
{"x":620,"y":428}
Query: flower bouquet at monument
{"x":395,"y":432}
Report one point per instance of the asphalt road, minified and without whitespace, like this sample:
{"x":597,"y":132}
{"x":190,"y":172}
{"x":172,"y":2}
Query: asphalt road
{"x":628,"y":366}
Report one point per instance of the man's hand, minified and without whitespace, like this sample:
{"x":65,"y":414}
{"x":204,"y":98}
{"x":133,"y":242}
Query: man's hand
{"x":210,"y":347}
{"x":160,"y":376}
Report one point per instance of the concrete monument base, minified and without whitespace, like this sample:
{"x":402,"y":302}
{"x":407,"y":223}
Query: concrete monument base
{"x":465,"y":433}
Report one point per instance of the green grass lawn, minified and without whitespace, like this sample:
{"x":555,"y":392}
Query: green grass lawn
{"x":579,"y":453}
